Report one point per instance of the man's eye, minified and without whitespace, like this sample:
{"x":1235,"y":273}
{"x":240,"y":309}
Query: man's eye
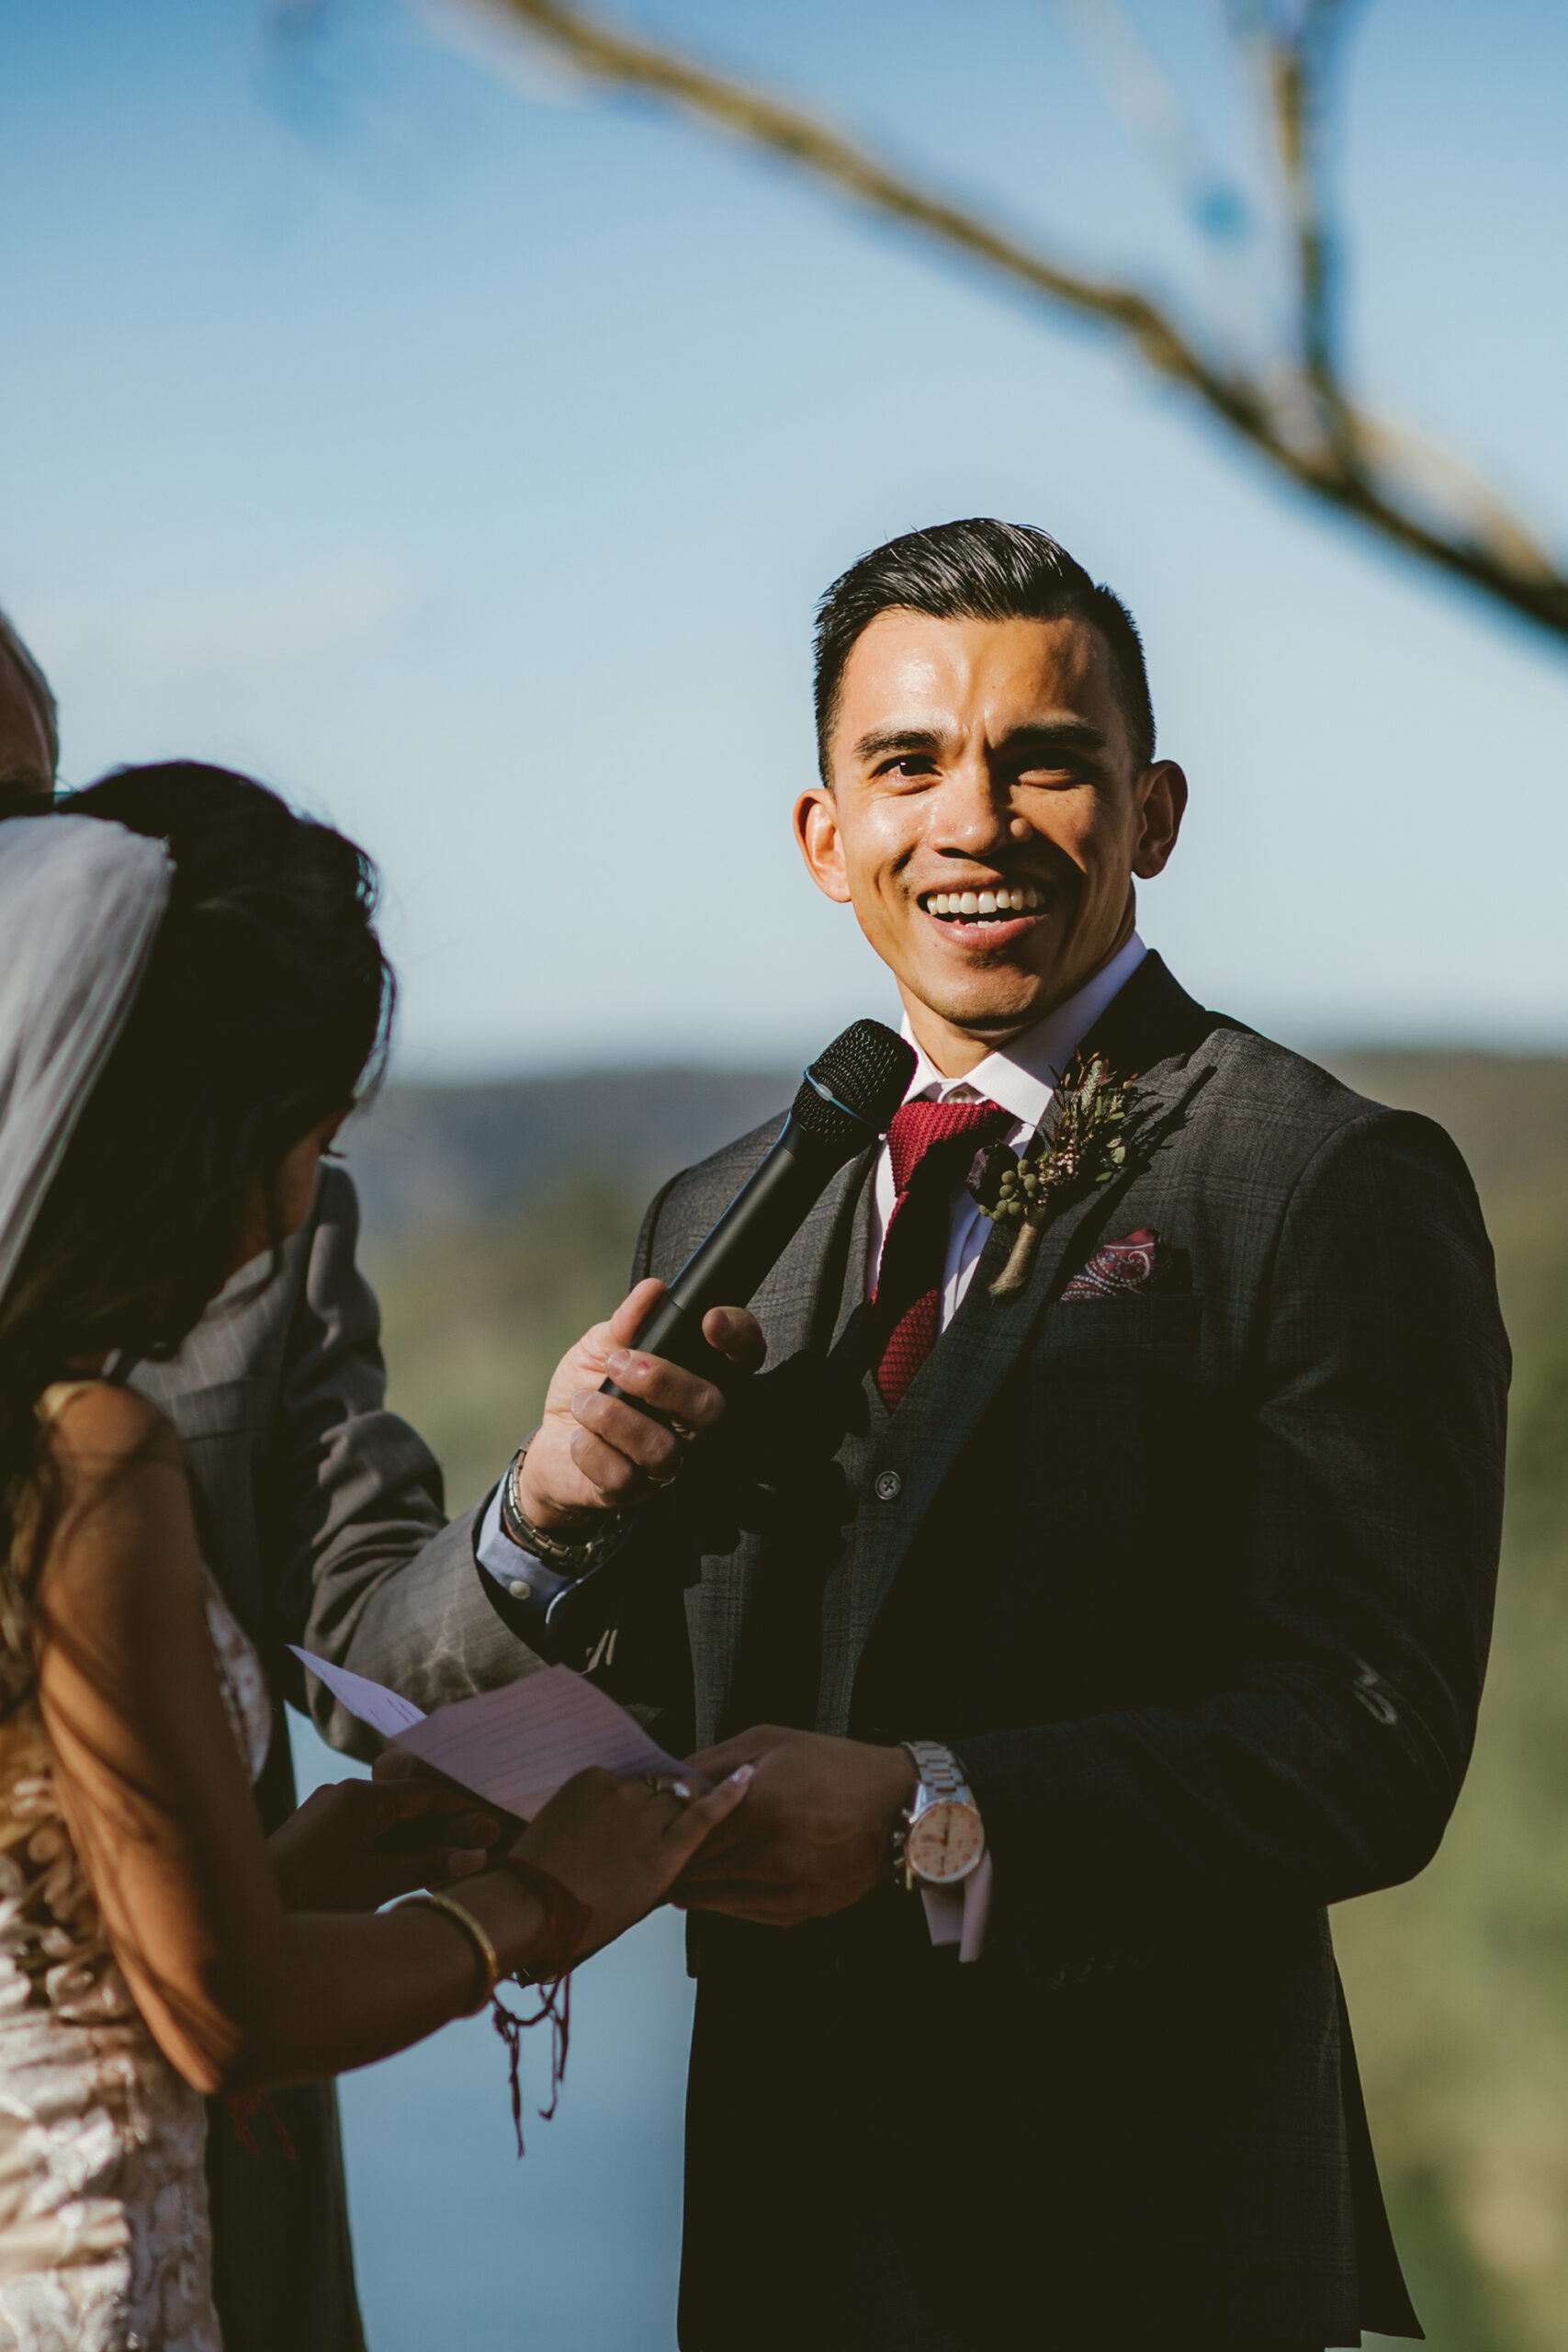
{"x":1053,"y":779}
{"x":908,"y":764}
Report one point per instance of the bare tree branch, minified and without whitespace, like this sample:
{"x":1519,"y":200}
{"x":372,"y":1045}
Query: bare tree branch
{"x":1297,"y":60}
{"x":1347,"y":458}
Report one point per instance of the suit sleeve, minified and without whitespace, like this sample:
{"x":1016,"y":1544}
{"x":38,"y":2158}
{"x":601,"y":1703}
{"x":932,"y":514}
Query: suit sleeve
{"x":1367,"y":1508}
{"x":372,"y":1575}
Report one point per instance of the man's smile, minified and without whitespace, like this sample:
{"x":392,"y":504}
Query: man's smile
{"x":988,"y":914}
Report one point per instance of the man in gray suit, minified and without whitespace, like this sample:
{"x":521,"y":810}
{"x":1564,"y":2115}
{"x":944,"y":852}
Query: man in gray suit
{"x":1106,"y":1559}
{"x":310,"y":1496}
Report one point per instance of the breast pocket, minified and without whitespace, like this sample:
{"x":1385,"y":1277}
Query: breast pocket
{"x":1122,"y":1324}
{"x":1116,"y":1402}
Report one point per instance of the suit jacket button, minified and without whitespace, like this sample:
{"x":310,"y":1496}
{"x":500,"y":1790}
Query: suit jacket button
{"x":889,"y":1486}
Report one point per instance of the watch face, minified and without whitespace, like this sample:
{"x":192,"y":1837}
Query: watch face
{"x":946,"y":1842}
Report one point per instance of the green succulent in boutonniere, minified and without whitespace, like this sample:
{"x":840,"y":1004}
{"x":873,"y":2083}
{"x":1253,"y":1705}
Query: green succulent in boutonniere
{"x":1086,"y":1146}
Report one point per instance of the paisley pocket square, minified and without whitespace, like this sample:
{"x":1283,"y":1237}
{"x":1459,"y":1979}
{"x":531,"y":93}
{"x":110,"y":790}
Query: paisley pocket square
{"x":1133,"y":1264}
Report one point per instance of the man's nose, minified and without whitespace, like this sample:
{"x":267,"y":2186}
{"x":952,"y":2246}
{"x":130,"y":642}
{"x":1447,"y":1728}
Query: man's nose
{"x":975,"y":810}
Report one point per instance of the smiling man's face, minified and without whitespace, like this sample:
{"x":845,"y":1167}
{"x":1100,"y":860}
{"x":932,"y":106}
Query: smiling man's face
{"x":985,"y":817}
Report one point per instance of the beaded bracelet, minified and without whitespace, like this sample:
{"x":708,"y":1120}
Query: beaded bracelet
{"x":573,"y":1556}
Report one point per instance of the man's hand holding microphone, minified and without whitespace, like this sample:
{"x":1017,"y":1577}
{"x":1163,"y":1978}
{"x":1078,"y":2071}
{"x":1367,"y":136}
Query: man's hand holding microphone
{"x":594,"y":1453}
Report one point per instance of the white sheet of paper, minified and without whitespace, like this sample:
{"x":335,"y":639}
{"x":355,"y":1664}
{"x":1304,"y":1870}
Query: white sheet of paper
{"x":371,"y":1702}
{"x":516,"y":1746}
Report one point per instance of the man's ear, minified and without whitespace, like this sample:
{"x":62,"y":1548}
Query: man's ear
{"x":1164,"y":791}
{"x":821,"y":845}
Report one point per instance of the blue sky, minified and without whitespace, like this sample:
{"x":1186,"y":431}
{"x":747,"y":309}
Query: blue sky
{"x":388,"y":415}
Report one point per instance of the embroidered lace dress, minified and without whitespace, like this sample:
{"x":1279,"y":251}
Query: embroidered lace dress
{"x":104,"y":2233}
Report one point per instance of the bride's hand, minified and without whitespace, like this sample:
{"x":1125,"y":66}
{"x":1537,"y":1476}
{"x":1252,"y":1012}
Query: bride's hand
{"x":620,"y":1845}
{"x":357,"y":1844}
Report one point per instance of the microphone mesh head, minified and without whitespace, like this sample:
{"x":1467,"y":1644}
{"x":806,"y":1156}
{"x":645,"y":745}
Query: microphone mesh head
{"x":867,"y":1071}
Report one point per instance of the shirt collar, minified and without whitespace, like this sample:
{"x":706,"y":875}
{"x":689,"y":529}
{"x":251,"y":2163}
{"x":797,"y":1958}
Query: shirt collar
{"x":1023,"y":1075}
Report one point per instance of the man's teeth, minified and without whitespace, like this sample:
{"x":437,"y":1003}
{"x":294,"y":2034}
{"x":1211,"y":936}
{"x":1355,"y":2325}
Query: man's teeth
{"x":1022,"y":898}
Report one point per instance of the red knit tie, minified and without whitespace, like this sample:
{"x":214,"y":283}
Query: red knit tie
{"x":931,"y":1145}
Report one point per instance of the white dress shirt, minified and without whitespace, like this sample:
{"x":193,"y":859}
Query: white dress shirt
{"x":1021,"y":1076}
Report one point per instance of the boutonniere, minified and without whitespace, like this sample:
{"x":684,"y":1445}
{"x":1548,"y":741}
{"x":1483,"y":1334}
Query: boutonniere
{"x":1086,"y":1146}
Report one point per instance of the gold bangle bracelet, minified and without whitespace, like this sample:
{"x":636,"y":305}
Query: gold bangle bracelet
{"x":483,"y":1950}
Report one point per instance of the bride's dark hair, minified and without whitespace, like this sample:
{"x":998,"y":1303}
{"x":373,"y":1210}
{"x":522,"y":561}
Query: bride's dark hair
{"x":263,"y":1011}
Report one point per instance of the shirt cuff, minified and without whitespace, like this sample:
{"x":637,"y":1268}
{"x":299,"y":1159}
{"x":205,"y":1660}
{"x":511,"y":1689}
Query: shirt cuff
{"x":957,"y":1915}
{"x":498,"y":1555}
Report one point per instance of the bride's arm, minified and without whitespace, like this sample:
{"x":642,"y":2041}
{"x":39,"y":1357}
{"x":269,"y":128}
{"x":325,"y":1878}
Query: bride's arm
{"x":235,"y":1989}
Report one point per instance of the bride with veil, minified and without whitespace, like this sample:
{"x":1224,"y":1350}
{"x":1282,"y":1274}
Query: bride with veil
{"x":188,"y":1008}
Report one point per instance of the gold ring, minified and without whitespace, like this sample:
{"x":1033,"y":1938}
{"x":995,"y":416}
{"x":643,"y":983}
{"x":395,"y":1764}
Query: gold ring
{"x":670,"y":1477}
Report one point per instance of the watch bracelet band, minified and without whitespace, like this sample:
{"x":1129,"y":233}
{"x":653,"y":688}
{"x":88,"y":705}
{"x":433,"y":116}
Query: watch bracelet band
{"x":937,"y":1766}
{"x":558,"y":1551}
{"x":938,"y":1771}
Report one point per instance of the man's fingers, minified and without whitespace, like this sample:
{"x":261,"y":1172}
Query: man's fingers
{"x":714,"y":1857}
{"x":698,"y":1819}
{"x":632,"y":1314}
{"x":686,"y":1395}
{"x":715,"y":1763}
{"x":731,"y":1332}
{"x":614,"y":1479}
{"x":739,"y":1898}
{"x":641,"y":1443}
{"x":477,"y":1830}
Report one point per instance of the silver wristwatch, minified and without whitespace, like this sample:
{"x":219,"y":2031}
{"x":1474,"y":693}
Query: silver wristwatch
{"x":941,"y":1835}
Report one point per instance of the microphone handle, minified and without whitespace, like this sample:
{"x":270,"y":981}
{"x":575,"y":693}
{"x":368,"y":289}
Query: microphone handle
{"x":728,"y":1267}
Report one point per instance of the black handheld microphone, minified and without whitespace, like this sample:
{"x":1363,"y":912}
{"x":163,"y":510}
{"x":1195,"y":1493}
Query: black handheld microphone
{"x":846,"y":1103}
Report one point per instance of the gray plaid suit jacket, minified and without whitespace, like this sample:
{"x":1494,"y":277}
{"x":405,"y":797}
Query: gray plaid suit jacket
{"x":1197,"y":1583}
{"x":310,"y":1494}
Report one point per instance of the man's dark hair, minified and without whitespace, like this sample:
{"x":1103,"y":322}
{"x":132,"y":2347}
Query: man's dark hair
{"x":978,"y":571}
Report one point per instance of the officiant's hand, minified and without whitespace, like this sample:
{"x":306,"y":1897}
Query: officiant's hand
{"x":357,"y":1844}
{"x":593,"y":1453}
{"x":813,"y":1834}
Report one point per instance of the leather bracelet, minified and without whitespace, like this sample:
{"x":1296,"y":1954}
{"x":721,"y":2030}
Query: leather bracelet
{"x":558,"y":1551}
{"x":484,"y":1950}
{"x":567,"y":1919}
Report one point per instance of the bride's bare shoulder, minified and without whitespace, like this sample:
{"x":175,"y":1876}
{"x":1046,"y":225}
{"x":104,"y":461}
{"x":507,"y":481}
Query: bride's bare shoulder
{"x":95,"y":1431}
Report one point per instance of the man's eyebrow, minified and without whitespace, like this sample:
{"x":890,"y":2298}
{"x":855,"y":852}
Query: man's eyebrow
{"x":1064,"y":734}
{"x":1055,"y":735}
{"x":897,"y":738}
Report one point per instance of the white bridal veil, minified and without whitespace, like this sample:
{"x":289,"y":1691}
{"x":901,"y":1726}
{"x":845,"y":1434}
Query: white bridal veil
{"x":80,"y":904}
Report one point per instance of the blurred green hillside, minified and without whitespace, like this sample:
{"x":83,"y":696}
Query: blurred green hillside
{"x":501,"y":1221}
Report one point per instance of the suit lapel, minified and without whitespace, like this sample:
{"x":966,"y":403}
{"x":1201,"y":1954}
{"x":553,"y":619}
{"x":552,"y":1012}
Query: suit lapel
{"x":1152,"y":1027}
{"x":804,"y":1307}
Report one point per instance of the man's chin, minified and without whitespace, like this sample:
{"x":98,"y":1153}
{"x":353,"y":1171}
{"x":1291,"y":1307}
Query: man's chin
{"x":995,"y":1011}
